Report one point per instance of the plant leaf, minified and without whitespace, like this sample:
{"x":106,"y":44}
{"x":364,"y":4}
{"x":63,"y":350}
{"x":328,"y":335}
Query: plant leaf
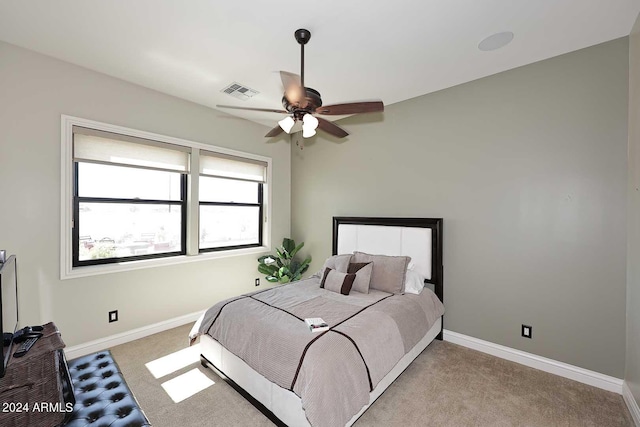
{"x":267,"y":269}
{"x":262,"y":258}
{"x":284,"y":279}
{"x":294,"y":266}
{"x":285,"y":254}
{"x":304,"y":265}
{"x":296,"y":249}
{"x":271,"y":279}
{"x":288,"y":245}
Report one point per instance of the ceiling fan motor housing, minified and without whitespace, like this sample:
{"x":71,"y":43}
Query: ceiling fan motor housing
{"x":308,"y":104}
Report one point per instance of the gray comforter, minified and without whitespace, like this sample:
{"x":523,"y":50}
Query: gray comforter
{"x":334,"y":371}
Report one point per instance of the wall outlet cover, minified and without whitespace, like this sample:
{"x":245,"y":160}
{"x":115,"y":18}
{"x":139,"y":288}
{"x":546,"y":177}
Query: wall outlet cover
{"x":113,"y":316}
{"x":527,"y":331}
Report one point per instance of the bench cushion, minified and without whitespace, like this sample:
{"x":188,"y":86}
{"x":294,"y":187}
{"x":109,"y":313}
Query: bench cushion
{"x":103,"y":398}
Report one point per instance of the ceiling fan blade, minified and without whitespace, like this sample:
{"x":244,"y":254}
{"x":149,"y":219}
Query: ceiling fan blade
{"x":331,"y":128}
{"x":293,"y":90}
{"x":274,"y":132}
{"x":266,"y":110}
{"x":289,"y":79}
{"x":351,"y":108}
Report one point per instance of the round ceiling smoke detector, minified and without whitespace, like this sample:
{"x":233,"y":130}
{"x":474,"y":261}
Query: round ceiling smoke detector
{"x":496,"y":41}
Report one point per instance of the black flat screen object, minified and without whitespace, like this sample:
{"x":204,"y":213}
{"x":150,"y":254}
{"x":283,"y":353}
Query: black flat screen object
{"x":8,"y":308}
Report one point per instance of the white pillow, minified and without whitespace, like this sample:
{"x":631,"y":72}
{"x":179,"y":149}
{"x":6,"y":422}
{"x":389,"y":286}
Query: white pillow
{"x":413,"y":282}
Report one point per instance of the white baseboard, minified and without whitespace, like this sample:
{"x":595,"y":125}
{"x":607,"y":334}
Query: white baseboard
{"x":134,"y":334}
{"x":565,"y":370}
{"x":631,"y":403}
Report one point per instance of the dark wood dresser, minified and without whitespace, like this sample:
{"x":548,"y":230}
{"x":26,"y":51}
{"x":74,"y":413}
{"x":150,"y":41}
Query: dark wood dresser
{"x":36,"y":389}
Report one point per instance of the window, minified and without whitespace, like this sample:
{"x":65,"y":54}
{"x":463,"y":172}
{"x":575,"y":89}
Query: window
{"x":133,"y":196}
{"x":129,"y":198}
{"x":230,"y":202}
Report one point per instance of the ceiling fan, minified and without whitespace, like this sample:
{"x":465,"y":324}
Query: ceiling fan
{"x":303,"y":103}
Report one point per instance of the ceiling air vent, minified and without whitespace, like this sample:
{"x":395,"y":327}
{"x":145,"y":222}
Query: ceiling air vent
{"x":239,"y":91}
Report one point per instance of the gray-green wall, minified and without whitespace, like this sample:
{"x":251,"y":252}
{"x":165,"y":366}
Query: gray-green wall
{"x":632,"y":372}
{"x":528,"y":168}
{"x":34,"y":91}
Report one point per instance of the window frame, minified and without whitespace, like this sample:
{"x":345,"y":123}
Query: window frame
{"x":75,"y":232}
{"x":260,"y":206}
{"x":190,"y":214}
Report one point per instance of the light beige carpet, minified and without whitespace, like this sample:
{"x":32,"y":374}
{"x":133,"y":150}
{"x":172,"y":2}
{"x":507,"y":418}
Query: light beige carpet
{"x":447,"y":385}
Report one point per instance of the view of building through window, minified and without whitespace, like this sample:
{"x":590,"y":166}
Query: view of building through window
{"x":223,"y":226}
{"x":118,"y":230}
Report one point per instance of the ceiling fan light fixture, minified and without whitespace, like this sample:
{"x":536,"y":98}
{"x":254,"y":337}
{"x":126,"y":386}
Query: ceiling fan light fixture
{"x":309,"y":125}
{"x":307,"y":132}
{"x":287,"y":123}
{"x":309,"y":121}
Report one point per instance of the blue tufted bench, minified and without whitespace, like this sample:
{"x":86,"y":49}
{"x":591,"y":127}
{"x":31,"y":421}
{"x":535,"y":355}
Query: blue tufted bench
{"x":103,"y":398}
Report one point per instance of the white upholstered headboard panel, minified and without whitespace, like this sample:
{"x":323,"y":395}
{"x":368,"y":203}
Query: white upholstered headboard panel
{"x":388,"y":240}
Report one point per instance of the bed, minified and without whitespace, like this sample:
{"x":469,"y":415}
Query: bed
{"x":260,"y":343}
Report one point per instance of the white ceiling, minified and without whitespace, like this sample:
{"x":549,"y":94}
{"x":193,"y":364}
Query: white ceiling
{"x":359,"y":49}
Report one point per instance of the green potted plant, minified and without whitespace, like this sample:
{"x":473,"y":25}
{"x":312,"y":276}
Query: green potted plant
{"x":283,"y":267}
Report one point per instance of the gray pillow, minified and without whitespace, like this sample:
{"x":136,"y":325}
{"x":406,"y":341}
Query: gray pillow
{"x":336,"y":281}
{"x":337,"y":262}
{"x":363,"y":271}
{"x":388,"y":271}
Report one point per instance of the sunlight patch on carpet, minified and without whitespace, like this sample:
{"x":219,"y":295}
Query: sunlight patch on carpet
{"x":174,"y":361}
{"x":186,"y":385}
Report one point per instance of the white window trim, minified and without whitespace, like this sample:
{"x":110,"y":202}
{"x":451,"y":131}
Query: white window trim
{"x":66,"y":205}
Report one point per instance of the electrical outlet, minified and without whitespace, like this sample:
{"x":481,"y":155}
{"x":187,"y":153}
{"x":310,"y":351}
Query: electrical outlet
{"x":527,"y":331}
{"x":258,"y":281}
{"x":113,"y":316}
